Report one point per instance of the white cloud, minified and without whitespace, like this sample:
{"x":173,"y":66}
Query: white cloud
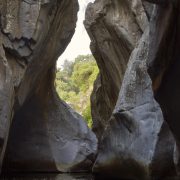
{"x":80,"y":41}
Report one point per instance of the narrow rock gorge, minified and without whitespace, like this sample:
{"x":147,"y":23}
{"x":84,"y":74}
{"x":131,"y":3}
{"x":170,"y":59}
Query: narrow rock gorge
{"x":134,"y":102}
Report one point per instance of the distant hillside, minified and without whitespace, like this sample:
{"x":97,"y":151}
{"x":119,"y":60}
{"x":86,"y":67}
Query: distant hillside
{"x":74,"y":84}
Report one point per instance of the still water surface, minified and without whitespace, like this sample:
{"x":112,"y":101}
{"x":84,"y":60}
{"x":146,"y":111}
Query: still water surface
{"x":66,"y":177}
{"x":48,"y":177}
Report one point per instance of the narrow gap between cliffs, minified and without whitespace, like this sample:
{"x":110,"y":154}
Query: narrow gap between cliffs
{"x":77,"y":70}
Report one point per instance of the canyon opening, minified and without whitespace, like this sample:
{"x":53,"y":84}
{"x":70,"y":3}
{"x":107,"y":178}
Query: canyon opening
{"x":105,"y":112}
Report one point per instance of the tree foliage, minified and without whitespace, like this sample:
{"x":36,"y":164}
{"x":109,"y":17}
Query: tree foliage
{"x":74,"y":83}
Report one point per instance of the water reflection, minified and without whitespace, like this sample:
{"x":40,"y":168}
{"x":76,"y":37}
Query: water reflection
{"x":48,"y":177}
{"x":66,"y":177}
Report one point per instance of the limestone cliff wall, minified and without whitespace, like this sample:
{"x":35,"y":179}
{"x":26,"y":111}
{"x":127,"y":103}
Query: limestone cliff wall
{"x":114,"y":28}
{"x":134,"y":108}
{"x":135,"y":98}
{"x":45,"y":134}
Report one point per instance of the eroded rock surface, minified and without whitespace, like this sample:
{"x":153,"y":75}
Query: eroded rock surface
{"x":135,"y":98}
{"x":136,"y":133}
{"x":45,"y":133}
{"x":164,"y":63}
{"x":133,"y":135}
{"x":114,"y":28}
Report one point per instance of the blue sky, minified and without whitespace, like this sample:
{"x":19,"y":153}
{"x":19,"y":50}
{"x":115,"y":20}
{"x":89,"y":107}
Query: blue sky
{"x":80,"y":41}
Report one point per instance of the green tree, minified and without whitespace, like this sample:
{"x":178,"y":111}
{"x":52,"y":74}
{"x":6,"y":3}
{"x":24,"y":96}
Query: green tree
{"x":74,"y":84}
{"x":68,"y":67}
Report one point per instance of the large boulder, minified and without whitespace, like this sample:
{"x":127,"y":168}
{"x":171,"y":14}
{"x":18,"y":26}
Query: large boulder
{"x":114,"y":28}
{"x":130,"y":140}
{"x":45,"y":133}
{"x":136,"y":143}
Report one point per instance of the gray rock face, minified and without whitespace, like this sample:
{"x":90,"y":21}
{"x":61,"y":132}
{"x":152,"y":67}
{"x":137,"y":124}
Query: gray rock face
{"x":48,"y":143}
{"x":134,"y":128}
{"x":163,"y":64}
{"x":114,"y":28}
{"x":45,"y":133}
{"x":136,"y":45}
{"x":136,"y":143}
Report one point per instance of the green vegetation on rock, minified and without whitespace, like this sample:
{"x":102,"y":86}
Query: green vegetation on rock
{"x":74,"y":84}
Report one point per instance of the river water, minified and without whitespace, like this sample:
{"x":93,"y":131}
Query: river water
{"x":48,"y":177}
{"x":65,"y":177}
